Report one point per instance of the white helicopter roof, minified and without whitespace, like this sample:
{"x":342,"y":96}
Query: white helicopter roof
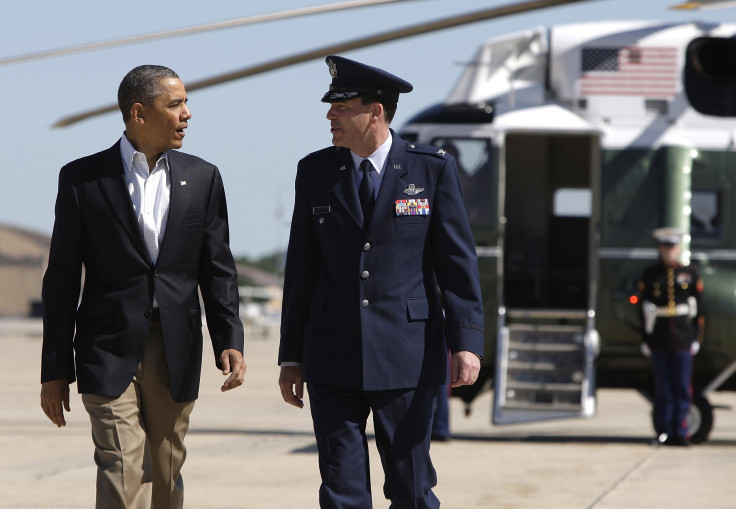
{"x":620,"y":78}
{"x":516,"y":60}
{"x":557,"y":119}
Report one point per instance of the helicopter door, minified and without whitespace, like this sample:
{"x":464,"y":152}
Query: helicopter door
{"x":546,"y":335}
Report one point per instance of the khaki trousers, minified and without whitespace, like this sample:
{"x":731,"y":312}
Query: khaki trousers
{"x":139,"y":437}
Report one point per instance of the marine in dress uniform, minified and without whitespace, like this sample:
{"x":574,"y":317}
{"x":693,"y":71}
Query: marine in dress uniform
{"x":369,"y":252}
{"x":672,"y":326}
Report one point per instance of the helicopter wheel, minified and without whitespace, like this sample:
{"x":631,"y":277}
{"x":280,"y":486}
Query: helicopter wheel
{"x":700,"y":419}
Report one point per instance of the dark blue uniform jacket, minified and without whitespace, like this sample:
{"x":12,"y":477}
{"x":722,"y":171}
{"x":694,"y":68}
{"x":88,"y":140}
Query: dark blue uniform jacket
{"x":362,"y":308}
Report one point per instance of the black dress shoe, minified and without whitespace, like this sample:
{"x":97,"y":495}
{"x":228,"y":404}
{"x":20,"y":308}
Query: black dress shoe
{"x":678,"y":441}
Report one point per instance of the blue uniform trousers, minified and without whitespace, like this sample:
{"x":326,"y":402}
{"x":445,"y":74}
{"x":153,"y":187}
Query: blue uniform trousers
{"x":441,"y":422}
{"x":672,"y":391}
{"x":402,"y":421}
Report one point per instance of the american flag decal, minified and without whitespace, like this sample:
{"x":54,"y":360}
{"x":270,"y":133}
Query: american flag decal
{"x":633,"y":70}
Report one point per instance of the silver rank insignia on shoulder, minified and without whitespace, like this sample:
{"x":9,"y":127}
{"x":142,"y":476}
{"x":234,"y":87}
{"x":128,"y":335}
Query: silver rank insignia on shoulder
{"x":412,"y":190}
{"x":412,"y":207}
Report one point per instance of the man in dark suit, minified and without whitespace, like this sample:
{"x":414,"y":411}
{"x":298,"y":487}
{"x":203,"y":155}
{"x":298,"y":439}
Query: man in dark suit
{"x":370,"y":251}
{"x":149,"y":226}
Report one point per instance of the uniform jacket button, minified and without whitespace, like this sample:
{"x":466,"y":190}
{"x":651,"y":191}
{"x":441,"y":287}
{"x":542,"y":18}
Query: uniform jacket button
{"x":366,"y":246}
{"x":365,"y":274}
{"x":364,"y":303}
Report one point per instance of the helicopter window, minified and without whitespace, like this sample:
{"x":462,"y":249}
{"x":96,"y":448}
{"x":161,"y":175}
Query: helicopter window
{"x":705,"y":218}
{"x":471,"y":154}
{"x":477,"y":176}
{"x":573,"y":202}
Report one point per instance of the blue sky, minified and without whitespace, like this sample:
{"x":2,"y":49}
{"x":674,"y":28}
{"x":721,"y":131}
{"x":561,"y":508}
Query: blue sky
{"x":256,"y":129}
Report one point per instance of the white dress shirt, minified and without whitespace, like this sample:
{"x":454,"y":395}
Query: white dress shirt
{"x":378,"y":160}
{"x":149,"y":193}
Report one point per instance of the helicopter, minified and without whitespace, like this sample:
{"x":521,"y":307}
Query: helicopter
{"x":574,"y":143}
{"x":559,"y":281}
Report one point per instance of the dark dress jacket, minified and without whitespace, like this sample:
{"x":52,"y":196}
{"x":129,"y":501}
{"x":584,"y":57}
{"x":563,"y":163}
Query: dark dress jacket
{"x":362,"y":307}
{"x":96,"y":229}
{"x":676,"y":306}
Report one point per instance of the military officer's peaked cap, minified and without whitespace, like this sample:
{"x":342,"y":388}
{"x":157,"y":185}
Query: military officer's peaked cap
{"x":668,"y":235}
{"x":351,"y":79}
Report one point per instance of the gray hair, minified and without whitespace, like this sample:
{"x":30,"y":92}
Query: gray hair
{"x":141,"y":85}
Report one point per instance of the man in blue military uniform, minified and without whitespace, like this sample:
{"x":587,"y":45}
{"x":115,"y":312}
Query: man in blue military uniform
{"x":672,"y":323}
{"x":378,"y":231}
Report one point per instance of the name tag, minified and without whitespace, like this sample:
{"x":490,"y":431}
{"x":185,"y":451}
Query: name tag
{"x":419,"y":207}
{"x":324,"y":209}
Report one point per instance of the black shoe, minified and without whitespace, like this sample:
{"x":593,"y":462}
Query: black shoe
{"x":678,"y":441}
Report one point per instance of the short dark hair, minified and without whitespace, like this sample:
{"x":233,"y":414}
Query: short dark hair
{"x":141,"y":85}
{"x":389,"y":107}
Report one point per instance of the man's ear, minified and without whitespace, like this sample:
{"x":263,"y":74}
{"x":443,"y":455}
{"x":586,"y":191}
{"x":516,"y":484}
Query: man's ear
{"x":376,"y":110}
{"x":137,"y":113}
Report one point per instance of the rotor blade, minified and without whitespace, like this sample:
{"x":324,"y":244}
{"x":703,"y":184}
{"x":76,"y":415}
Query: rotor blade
{"x":393,"y":35}
{"x":218,"y":25}
{"x":705,"y":5}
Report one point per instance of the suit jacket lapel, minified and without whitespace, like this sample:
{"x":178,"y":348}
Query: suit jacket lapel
{"x":113,"y":188}
{"x":345,"y":190}
{"x":180,"y":185}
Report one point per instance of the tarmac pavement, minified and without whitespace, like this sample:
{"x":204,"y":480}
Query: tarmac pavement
{"x":248,"y":449}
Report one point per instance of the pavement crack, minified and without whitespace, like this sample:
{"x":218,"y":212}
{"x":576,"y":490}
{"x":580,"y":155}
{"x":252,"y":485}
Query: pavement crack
{"x":636,"y":466}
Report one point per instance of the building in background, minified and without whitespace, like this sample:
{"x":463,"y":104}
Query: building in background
{"x":261,"y":293}
{"x":23,"y":258}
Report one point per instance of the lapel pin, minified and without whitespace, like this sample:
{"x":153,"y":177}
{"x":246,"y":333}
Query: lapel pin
{"x":412,"y":190}
{"x":182,"y":182}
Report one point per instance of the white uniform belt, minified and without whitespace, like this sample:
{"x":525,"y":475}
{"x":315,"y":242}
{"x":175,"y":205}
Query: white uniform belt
{"x":651,"y":312}
{"x":678,"y":310}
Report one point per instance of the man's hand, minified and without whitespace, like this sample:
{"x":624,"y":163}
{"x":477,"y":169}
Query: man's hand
{"x":464,"y":368}
{"x":55,"y":399}
{"x":695,"y":347}
{"x":233,"y":364}
{"x":292,"y":385}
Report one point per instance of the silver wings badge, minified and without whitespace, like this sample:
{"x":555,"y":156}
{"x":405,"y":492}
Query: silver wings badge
{"x":412,"y":190}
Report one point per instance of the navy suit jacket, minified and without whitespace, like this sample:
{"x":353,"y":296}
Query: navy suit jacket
{"x":96,"y":228}
{"x":362,"y":308}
